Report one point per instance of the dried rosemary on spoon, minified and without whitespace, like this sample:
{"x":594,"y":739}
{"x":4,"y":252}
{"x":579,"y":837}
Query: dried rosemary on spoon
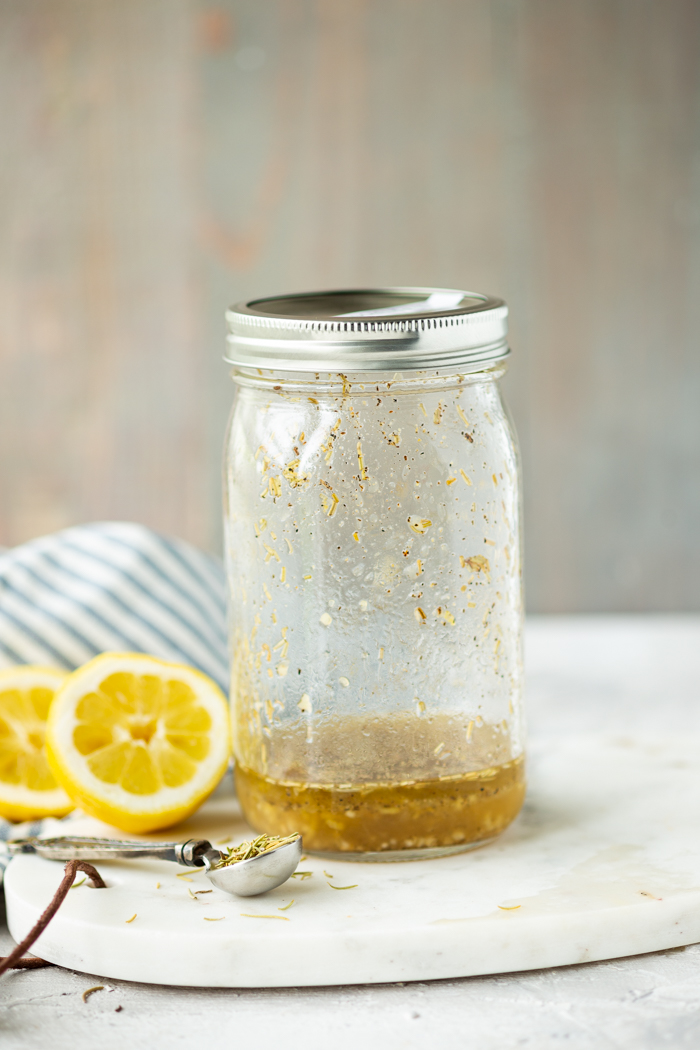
{"x":254,"y":848}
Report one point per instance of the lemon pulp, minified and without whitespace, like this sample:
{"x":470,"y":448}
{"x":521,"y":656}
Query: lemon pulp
{"x":142,"y":732}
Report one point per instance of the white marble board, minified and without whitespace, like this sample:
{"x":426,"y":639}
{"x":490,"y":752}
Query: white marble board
{"x":604,"y":862}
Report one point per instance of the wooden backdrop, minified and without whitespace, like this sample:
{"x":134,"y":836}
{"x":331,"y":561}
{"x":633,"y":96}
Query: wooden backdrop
{"x":162,"y":158}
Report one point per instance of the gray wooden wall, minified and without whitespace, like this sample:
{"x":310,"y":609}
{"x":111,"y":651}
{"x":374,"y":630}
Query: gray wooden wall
{"x":161,"y":158}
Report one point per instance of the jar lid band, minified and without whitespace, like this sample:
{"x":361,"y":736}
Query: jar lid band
{"x":369,"y":330}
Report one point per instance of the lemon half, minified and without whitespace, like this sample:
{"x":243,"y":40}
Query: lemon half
{"x":28,"y":790}
{"x":137,"y":742}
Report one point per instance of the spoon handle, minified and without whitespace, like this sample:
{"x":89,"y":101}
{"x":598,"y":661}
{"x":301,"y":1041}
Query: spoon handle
{"x":191,"y":853}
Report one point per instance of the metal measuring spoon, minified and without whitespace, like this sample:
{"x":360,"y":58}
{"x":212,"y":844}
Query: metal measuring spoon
{"x":244,"y":878}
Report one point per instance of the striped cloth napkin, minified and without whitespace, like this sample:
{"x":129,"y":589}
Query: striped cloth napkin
{"x":107,"y":586}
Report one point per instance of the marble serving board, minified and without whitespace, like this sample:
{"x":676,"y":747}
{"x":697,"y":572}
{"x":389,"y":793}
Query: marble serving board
{"x":603,"y":862}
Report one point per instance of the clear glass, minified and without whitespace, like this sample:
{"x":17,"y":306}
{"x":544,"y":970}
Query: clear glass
{"x":373,"y":558}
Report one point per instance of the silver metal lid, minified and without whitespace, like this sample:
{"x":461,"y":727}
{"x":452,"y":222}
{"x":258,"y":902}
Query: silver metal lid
{"x":369,"y":330}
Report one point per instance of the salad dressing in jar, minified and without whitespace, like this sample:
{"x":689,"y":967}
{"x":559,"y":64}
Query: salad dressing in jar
{"x":373,"y":560}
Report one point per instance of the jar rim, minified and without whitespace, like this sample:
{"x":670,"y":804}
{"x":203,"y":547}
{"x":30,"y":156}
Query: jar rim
{"x":384,"y":329}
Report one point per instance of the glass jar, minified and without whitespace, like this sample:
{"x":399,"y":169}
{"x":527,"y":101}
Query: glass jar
{"x":373,"y":559}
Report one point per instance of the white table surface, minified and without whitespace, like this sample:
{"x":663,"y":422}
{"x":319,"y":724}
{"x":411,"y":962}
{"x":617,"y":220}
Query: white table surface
{"x":594,"y":673}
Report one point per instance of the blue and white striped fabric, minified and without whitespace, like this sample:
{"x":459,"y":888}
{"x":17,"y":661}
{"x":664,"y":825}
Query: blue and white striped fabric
{"x":111,"y":586}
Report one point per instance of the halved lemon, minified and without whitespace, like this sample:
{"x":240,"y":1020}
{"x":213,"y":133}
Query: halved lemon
{"x":28,"y":790}
{"x":137,"y":742}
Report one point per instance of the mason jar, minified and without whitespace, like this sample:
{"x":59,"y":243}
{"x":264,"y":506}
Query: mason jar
{"x":373,"y":557}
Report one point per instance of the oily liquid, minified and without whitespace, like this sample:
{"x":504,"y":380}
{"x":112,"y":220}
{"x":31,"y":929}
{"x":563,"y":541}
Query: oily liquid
{"x":448,"y":810}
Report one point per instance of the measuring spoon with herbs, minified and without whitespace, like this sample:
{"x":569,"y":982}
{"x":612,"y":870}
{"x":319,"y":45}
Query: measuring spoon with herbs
{"x":246,"y":870}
